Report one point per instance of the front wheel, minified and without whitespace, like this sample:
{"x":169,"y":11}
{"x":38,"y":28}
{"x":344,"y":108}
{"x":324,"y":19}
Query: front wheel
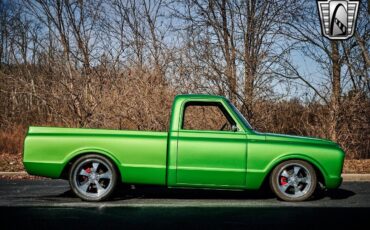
{"x":293,"y":180}
{"x":93,"y":177}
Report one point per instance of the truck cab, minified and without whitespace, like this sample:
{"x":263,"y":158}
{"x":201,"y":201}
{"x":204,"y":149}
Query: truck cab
{"x":207,"y":143}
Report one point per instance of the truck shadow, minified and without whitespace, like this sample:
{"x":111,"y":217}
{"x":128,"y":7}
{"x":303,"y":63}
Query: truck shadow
{"x":125,"y":192}
{"x":336,"y":194}
{"x":151,"y":192}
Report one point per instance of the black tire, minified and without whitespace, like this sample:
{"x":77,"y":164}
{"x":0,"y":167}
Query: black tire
{"x":293,"y":187}
{"x":99,"y":187}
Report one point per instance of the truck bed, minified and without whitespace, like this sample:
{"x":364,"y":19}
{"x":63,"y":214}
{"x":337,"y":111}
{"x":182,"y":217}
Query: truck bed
{"x":139,"y":155}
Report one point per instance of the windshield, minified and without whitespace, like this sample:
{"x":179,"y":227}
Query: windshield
{"x":240,"y":115}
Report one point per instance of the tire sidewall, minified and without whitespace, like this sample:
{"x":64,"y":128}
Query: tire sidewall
{"x":92,"y":157}
{"x":281,"y":195}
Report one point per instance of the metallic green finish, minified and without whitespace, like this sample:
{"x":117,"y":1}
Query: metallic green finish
{"x":139,"y":156}
{"x":183,"y":158}
{"x":268,"y":150}
{"x":211,"y":158}
{"x":49,"y":169}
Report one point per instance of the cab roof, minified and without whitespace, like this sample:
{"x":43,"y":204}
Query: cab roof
{"x":199,"y":96}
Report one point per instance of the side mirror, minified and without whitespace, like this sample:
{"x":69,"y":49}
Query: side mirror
{"x":234,"y":128}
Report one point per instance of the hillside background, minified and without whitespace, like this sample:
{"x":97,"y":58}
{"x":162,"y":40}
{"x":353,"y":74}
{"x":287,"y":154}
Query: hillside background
{"x":118,"y":65}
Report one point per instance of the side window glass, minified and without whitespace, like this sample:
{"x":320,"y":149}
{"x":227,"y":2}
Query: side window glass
{"x":206,"y":116}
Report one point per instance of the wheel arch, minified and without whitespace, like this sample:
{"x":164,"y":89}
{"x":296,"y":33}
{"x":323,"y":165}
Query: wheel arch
{"x":320,"y":171}
{"x":76,"y":155}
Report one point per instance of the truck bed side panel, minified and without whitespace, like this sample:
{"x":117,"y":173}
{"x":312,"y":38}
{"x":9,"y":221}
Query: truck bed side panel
{"x":139,"y":156}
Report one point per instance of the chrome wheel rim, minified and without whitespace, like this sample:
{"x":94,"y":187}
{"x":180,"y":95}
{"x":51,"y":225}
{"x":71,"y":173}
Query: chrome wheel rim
{"x":294,"y":180}
{"x":93,"y":178}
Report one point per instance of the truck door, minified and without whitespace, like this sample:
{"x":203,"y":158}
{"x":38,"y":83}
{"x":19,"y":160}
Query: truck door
{"x":211,"y":152}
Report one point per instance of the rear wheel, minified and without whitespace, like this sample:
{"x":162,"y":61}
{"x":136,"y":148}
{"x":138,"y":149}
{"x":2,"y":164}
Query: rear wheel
{"x":293,"y":180}
{"x":93,"y":177}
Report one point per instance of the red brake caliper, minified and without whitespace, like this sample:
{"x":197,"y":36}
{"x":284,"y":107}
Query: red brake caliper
{"x":283,"y":180}
{"x":88,"y":170}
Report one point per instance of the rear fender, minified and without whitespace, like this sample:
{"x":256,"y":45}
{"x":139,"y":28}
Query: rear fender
{"x":74,"y":155}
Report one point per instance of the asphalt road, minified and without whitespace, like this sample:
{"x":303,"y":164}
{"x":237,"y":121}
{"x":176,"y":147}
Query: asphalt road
{"x":49,"y":204}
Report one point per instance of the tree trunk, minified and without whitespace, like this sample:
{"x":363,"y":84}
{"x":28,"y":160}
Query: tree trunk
{"x":336,"y":91}
{"x":249,"y":60}
{"x":229,"y":59}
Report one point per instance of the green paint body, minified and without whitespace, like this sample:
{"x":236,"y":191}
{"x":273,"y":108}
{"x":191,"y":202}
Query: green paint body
{"x":183,"y":158}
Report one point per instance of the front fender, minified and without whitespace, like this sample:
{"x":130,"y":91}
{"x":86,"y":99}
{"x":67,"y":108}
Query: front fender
{"x":331,"y":174}
{"x":296,"y":156}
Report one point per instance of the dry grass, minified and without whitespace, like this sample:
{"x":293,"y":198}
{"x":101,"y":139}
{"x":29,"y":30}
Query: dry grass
{"x":11,"y":162}
{"x":357,"y":166}
{"x":21,"y":177}
{"x":11,"y":140}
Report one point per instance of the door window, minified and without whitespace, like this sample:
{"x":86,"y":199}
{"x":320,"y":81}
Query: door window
{"x":206,"y":116}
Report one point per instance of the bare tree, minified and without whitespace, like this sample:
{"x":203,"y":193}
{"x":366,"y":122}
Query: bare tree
{"x":340,"y":70}
{"x":237,"y":42}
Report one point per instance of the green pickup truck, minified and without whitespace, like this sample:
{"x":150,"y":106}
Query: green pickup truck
{"x":209,"y":145}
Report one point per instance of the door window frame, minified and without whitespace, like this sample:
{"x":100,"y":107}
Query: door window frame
{"x":224,"y":107}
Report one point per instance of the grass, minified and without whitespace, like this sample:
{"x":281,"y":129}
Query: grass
{"x":357,"y":166}
{"x":11,"y":140}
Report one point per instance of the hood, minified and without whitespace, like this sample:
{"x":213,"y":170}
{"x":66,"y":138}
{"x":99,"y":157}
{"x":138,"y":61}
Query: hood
{"x":298,"y":139}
